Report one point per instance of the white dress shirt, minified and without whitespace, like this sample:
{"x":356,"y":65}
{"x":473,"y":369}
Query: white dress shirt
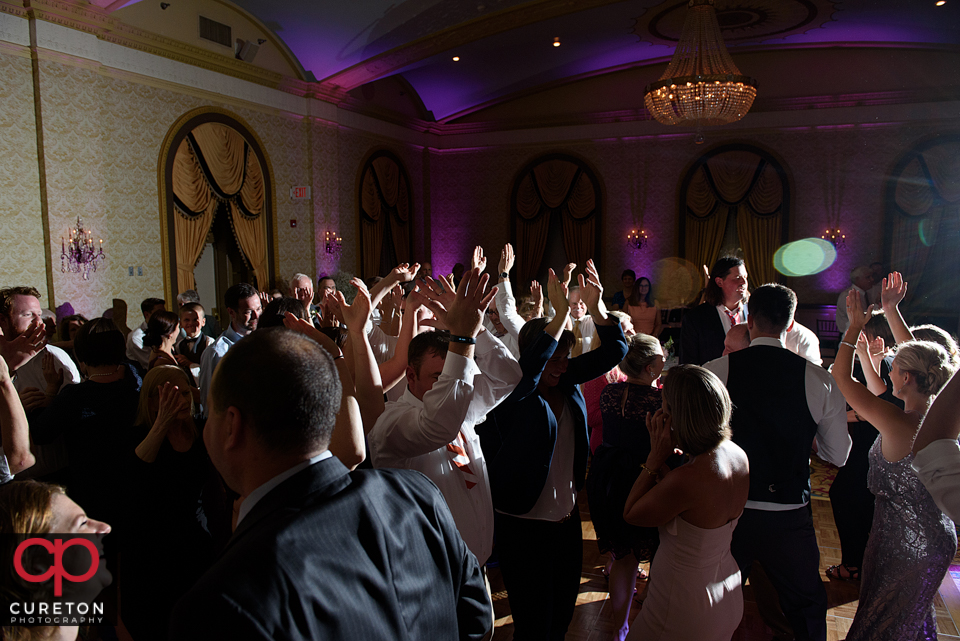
{"x":938,"y":467}
{"x":588,"y":330}
{"x":559,"y":493}
{"x":135,"y":350}
{"x":803,"y":342}
{"x":827,"y":407}
{"x":413,"y":434}
{"x":209,"y":360}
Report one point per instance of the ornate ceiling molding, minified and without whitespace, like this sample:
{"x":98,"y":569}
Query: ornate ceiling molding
{"x":741,"y":21}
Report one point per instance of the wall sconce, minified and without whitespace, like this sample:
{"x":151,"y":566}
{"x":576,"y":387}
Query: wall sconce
{"x":79,"y":254}
{"x":637,"y":240}
{"x":333,"y":243}
{"x":836,"y":237}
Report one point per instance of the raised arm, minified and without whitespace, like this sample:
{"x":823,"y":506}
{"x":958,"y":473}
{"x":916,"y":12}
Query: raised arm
{"x":870,"y":366}
{"x":346,"y":442}
{"x":14,"y":430}
{"x":892,"y":291}
{"x":896,"y":427}
{"x":943,"y":419}
{"x":172,"y":403}
{"x":394,"y":370}
{"x":369,"y":387}
{"x":506,"y":304}
{"x":402,"y":273}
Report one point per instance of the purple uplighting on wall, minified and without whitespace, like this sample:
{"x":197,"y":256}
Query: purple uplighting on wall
{"x":837,"y":277}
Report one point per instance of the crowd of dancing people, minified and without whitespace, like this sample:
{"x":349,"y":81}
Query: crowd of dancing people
{"x":346,"y":467}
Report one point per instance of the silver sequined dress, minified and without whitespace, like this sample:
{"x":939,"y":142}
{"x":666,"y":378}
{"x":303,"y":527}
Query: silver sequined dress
{"x":910,"y":548}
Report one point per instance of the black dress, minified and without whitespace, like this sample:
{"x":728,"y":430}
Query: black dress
{"x":616,"y":466}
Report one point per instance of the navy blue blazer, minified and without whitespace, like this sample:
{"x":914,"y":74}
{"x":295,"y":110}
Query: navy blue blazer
{"x":519,"y":436}
{"x":333,"y":554}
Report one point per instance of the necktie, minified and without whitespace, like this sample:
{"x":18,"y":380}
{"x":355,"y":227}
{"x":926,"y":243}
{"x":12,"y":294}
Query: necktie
{"x":733,"y":316}
{"x":461,"y":461}
{"x":578,"y":334}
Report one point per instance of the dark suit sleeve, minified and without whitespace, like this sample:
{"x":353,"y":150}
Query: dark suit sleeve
{"x":199,"y":619}
{"x":532,"y":361}
{"x":474,"y":610}
{"x":597,"y":362}
{"x":689,"y":338}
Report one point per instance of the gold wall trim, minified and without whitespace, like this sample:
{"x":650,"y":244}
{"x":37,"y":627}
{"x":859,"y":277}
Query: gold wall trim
{"x":165,"y":150}
{"x":10,"y":49}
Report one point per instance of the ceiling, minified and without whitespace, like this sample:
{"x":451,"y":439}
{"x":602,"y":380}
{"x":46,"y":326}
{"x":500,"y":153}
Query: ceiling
{"x":505,"y":47}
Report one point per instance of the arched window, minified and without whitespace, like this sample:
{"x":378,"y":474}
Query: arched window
{"x":555,"y":193}
{"x":213,"y":164}
{"x":738,"y":193}
{"x":385,"y":205}
{"x":923,"y":227}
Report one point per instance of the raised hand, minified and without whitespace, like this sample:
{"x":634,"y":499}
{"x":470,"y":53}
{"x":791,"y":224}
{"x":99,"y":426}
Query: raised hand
{"x":536,"y":294}
{"x":306,"y":328}
{"x":567,"y":274}
{"x":265,"y":298}
{"x":659,"y":426}
{"x":302,"y":294}
{"x":17,"y":352}
{"x":855,"y":310}
{"x":892,"y":291}
{"x":591,"y":291}
{"x":557,"y":294}
{"x":355,"y":315}
{"x":172,"y":404}
{"x":478,"y":261}
{"x":464,"y":317}
{"x":404,"y":272}
{"x":506,"y":259}
{"x":442,"y":291}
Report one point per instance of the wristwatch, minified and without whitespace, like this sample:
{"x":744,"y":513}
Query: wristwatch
{"x":504,"y":275}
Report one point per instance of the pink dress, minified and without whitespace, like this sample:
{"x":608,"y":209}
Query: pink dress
{"x":591,"y":397}
{"x":694,"y":588}
{"x":644,"y":318}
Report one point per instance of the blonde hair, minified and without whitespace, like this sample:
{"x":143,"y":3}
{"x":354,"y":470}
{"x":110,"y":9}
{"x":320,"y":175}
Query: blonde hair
{"x":26,"y":508}
{"x":155,"y":379}
{"x":929,"y":363}
{"x":699,"y":406}
{"x":641,"y":351}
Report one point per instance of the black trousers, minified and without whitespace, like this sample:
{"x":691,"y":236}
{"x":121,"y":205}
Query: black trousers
{"x":851,"y":500}
{"x":540,"y":562}
{"x":786,"y":544}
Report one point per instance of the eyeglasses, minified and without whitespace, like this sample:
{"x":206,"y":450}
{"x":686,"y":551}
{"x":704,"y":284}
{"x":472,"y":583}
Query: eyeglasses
{"x":492,"y":312}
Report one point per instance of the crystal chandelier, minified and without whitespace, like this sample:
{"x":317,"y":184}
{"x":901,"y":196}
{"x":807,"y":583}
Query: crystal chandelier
{"x":701,"y":86}
{"x":78,"y":254}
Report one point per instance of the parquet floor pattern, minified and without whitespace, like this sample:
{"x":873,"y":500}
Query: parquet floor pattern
{"x":591,"y":621}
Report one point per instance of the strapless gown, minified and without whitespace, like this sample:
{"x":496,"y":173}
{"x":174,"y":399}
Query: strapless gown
{"x":694,"y":590}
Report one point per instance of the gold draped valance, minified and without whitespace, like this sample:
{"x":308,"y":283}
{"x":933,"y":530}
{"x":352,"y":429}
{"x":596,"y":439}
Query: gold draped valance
{"x":741,"y":183}
{"x":384,"y":206}
{"x":214,"y":164}
{"x":555,"y":185}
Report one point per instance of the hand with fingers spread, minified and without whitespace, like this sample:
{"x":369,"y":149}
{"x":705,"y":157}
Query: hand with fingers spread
{"x":892,"y":290}
{"x":591,"y":293}
{"x":568,"y":274}
{"x":265,"y":298}
{"x":464,"y":317}
{"x":356,"y":315}
{"x":506,"y":259}
{"x":296,"y":324}
{"x":478,"y":260}
{"x":404,"y":272}
{"x":536,"y":295}
{"x":173,"y":404}
{"x":17,"y":352}
{"x":442,"y":291}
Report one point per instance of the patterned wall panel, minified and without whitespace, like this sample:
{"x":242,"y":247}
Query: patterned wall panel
{"x":22,"y":259}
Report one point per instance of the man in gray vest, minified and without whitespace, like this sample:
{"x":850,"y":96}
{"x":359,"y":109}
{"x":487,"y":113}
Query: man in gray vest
{"x":782,"y":403}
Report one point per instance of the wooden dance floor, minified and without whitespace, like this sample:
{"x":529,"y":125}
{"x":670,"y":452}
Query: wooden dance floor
{"x":591,"y":620}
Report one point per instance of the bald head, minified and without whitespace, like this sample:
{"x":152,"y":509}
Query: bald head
{"x":737,"y":338}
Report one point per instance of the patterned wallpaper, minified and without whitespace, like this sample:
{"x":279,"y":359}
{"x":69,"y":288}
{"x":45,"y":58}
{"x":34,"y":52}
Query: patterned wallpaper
{"x":104,"y":121}
{"x":22,"y":260}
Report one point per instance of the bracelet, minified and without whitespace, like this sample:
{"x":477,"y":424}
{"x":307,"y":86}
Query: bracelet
{"x":655,"y":475}
{"x":466,"y":340}
{"x":848,"y":344}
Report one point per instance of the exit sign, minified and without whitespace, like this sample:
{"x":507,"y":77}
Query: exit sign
{"x":299,"y":193}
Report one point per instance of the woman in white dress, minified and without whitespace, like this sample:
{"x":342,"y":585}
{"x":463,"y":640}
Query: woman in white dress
{"x":694,"y":590}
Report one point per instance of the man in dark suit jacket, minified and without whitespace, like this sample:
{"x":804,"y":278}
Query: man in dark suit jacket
{"x":704,"y":327}
{"x":320,"y":552}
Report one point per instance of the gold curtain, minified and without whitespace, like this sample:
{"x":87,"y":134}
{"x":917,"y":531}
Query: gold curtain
{"x":759,"y":237}
{"x":399,"y":227}
{"x":700,"y":198}
{"x":388,"y":175}
{"x":252,"y":192}
{"x":732,"y":173}
{"x":531,"y":243}
{"x":553,"y":180}
{"x":579,"y":226}
{"x":251,"y":235}
{"x":704,"y":236}
{"x":190,"y":232}
{"x":222,"y":148}
{"x":371,"y":224}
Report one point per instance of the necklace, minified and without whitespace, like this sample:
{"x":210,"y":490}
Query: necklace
{"x":107,"y":374}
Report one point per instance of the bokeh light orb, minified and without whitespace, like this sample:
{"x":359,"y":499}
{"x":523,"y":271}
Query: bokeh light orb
{"x":676,"y":282}
{"x":804,"y":257}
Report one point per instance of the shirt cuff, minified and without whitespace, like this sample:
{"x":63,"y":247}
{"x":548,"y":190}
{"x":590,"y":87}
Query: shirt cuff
{"x":458,"y":366}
